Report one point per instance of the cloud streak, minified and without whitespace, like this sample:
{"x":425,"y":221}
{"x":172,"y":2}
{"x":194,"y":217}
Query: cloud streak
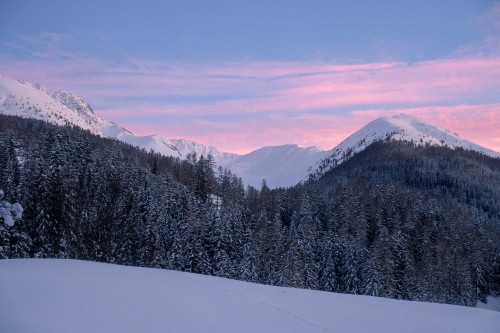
{"x":239,"y":106}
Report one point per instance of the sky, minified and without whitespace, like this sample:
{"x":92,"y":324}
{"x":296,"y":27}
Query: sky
{"x":240,"y":75}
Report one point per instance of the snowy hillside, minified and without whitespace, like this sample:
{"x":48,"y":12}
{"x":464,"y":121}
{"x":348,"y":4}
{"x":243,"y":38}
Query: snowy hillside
{"x":50,"y":295}
{"x":281,"y":166}
{"x":401,"y":127}
{"x":173,"y":147}
{"x":25,"y":99}
{"x":29,"y":100}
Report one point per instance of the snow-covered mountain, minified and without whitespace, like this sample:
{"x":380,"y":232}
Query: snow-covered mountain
{"x":55,"y":295}
{"x":25,"y":99}
{"x":280,"y":166}
{"x":29,"y":100}
{"x":402,"y":127}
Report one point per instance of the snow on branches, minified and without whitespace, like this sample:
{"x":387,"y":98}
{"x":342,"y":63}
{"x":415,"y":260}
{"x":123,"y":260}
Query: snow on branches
{"x":9,"y":213}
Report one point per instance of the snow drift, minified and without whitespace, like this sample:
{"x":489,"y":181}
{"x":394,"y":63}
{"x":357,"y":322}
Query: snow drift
{"x":51,"y":296}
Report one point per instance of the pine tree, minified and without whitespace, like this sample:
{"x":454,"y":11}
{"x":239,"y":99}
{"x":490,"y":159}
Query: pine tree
{"x":204,"y":177}
{"x":10,"y":173}
{"x":248,"y":266}
{"x":14,"y":243}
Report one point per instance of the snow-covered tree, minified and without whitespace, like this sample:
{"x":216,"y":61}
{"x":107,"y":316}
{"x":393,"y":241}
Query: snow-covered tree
{"x":395,"y":221}
{"x":9,"y":213}
{"x":12,"y":242}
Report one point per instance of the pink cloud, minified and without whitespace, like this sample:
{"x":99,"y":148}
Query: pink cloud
{"x":478,"y":123}
{"x":308,"y":103}
{"x":256,"y":87}
{"x":430,"y":82}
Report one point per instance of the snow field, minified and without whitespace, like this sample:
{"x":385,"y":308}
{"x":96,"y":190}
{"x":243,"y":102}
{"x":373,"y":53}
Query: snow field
{"x":50,"y":295}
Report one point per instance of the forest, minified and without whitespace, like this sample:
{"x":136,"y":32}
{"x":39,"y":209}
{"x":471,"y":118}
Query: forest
{"x":396,"y":220}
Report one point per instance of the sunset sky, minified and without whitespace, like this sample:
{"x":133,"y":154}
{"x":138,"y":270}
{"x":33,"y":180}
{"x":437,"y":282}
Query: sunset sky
{"x":240,"y":75}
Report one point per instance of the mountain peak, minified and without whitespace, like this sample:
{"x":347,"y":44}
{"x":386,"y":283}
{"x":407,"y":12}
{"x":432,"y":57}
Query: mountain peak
{"x":401,"y":127}
{"x":403,"y":116}
{"x":30,"y":100}
{"x":407,"y":127}
{"x":280,"y":166}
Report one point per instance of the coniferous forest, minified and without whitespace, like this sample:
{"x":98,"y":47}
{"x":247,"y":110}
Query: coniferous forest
{"x":396,"y":220}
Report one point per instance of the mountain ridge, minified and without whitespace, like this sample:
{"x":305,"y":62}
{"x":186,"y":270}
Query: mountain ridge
{"x":281,"y":166}
{"x":26,"y":99}
{"x":402,"y":127}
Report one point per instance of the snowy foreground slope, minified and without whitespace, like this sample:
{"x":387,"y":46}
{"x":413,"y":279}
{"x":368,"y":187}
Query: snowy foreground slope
{"x":49,"y":295}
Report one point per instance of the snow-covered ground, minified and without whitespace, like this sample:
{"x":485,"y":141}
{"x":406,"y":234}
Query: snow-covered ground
{"x":492,"y":303}
{"x":67,"y":296}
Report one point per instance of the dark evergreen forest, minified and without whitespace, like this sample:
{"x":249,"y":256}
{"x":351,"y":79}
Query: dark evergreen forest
{"x":396,"y":220}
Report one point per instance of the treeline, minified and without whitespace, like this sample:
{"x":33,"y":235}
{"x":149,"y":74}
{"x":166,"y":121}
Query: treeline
{"x":395,"y":220}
